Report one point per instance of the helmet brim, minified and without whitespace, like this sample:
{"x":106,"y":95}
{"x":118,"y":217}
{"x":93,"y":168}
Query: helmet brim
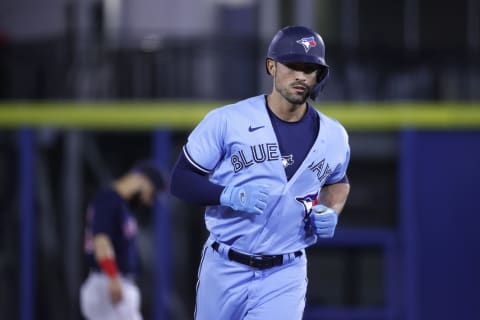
{"x":299,"y":58}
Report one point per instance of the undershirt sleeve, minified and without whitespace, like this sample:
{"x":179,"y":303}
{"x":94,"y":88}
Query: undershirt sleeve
{"x":193,"y":186}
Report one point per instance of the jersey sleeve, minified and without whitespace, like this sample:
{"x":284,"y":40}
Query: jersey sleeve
{"x":205,"y":147}
{"x":192,"y":186}
{"x":104,"y":215}
{"x":340,"y":171}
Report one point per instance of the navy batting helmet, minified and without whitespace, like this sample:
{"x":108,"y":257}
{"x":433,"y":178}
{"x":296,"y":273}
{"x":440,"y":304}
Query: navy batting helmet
{"x":300,"y":44}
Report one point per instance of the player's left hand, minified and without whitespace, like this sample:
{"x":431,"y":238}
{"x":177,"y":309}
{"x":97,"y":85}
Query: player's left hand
{"x":115,"y":290}
{"x":324,"y":220}
{"x":251,"y":198}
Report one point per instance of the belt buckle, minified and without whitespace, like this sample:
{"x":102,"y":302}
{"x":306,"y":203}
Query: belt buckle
{"x":261,"y":262}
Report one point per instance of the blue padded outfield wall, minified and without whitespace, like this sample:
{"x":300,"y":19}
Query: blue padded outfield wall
{"x":440,"y":208}
{"x":432,"y":258}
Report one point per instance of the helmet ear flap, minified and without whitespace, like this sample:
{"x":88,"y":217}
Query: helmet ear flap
{"x":322,"y":77}
{"x":322,"y":72}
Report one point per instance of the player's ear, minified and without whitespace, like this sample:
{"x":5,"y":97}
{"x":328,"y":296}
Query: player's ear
{"x":270,"y":66}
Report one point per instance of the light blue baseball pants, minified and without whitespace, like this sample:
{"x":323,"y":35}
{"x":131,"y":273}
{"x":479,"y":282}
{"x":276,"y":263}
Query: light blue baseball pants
{"x":228,"y":290}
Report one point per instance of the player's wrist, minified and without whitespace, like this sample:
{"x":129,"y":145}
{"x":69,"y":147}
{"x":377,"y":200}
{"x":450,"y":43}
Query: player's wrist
{"x":109,"y":267}
{"x":225,"y":196}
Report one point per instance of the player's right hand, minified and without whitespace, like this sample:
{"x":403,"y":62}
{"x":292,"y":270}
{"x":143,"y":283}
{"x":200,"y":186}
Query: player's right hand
{"x":324,"y":220}
{"x":251,"y":198}
{"x":115,"y":290}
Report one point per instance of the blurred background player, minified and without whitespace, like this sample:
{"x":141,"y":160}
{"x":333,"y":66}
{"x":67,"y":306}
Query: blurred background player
{"x":262,"y":166}
{"x":110,"y":291}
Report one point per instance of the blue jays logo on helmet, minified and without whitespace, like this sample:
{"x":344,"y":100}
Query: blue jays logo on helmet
{"x":307,"y":43}
{"x":300,"y":45}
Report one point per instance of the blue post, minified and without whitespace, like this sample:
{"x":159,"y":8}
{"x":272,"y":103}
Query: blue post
{"x":27,"y":224}
{"x":161,"y":153}
{"x":408,"y":224}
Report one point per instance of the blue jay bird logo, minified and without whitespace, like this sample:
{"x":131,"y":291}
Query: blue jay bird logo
{"x":287,"y":160}
{"x":307,"y":202}
{"x":307,"y":43}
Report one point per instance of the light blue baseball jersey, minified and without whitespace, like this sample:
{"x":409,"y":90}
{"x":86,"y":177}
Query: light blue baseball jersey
{"x":235,"y":145}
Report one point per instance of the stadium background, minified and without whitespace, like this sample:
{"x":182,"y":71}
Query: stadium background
{"x":87,"y":87}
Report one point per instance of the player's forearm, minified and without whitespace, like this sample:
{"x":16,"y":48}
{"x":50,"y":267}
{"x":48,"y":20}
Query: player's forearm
{"x":103,"y":247}
{"x":335,"y":196}
{"x":192,"y":187}
{"x":105,"y":255}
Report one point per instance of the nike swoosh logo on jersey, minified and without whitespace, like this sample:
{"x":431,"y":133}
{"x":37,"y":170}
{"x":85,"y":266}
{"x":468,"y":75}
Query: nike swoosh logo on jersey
{"x":251,"y":129}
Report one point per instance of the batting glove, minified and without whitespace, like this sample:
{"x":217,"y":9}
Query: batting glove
{"x":324,"y":220}
{"x":251,"y":198}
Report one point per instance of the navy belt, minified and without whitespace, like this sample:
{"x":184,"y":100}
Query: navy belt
{"x":255,"y":261}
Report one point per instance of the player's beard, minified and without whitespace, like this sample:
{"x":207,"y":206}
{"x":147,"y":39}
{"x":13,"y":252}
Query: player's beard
{"x":294,"y":98}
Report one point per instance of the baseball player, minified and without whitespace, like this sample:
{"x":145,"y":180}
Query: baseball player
{"x":110,"y":291}
{"x":271,"y":171}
